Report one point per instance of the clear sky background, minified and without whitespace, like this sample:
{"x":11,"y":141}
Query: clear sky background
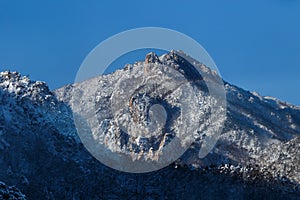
{"x":255,"y":43}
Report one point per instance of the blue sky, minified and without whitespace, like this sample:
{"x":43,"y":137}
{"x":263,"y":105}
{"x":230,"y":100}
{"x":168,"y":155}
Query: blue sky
{"x":255,"y":44}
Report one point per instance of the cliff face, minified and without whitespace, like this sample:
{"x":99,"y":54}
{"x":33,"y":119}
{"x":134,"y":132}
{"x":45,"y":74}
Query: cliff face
{"x":256,"y":156}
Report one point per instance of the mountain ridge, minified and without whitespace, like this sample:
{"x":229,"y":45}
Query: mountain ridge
{"x":256,"y":153}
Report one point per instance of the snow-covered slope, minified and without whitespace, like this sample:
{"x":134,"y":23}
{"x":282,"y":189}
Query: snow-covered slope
{"x":258,"y":130}
{"x":256,"y":156}
{"x":31,"y":103}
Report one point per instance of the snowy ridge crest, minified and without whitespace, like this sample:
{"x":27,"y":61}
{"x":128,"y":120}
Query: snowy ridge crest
{"x":21,"y":86}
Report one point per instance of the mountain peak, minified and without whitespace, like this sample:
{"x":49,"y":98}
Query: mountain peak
{"x":8,"y":76}
{"x":21,"y":86}
{"x":152,"y":58}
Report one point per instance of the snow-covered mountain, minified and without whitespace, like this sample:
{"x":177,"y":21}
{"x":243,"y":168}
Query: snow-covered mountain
{"x":256,"y":156}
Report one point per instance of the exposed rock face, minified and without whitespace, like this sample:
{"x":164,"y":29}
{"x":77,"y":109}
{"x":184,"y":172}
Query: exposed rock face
{"x":257,"y":155}
{"x":152,"y":58}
